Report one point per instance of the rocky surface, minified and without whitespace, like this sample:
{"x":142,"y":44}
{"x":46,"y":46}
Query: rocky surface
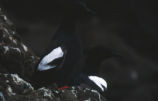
{"x":13,"y":88}
{"x":16,"y":59}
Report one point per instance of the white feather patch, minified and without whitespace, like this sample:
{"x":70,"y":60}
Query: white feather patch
{"x":54,"y":54}
{"x":100,"y":82}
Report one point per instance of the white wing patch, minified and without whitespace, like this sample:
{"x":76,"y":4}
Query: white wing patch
{"x":54,"y":54}
{"x":99,"y":82}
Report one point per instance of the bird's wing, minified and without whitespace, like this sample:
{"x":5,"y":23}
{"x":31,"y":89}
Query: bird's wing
{"x":52,"y":60}
{"x":100,"y":82}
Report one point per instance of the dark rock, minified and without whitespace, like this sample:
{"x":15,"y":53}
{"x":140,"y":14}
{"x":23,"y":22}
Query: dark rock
{"x":15,"y":56}
{"x":13,"y":88}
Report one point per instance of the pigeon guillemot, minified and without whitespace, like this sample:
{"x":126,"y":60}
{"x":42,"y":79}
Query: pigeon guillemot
{"x":61,"y":59}
{"x":60,"y":63}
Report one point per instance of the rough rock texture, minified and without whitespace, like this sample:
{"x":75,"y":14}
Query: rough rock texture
{"x":13,"y":88}
{"x":17,"y":59}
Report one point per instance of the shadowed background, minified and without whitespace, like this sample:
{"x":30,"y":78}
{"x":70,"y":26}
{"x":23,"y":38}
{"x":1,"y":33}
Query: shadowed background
{"x":127,"y":28}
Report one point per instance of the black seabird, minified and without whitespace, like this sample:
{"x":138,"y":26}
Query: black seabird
{"x":60,"y":61}
{"x":59,"y":64}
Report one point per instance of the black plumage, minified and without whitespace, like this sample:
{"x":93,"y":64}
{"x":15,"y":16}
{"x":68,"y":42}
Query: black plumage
{"x":61,"y":62}
{"x":65,"y":66}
